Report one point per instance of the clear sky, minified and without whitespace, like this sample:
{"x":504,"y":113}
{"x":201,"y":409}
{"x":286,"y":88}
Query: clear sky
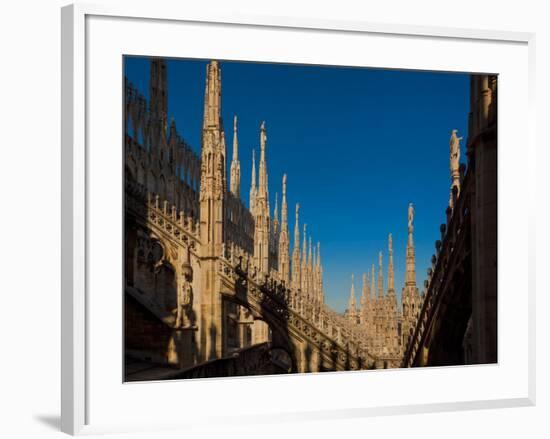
{"x":357,"y":146}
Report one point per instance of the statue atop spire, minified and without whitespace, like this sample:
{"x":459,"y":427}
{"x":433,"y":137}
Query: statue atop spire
{"x":297,"y":228}
{"x":235,"y":184}
{"x":410,"y":276}
{"x":454,"y":163}
{"x":262,"y":224}
{"x":284,"y":208}
{"x":263,"y":192}
{"x":411,"y":218}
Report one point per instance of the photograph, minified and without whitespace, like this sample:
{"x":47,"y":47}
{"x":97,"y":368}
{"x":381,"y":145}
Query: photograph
{"x":294,"y":218}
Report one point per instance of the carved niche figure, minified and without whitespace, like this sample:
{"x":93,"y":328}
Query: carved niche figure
{"x":185,"y":316}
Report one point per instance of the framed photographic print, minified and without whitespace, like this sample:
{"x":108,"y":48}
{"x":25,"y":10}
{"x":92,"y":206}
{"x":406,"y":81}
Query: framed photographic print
{"x":275,"y":207}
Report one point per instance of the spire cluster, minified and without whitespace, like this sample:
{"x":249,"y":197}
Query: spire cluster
{"x":379,"y":314}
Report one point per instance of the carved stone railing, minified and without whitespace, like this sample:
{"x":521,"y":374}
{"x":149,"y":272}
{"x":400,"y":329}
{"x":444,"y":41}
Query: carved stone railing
{"x":148,"y":210}
{"x":247,"y":361}
{"x":267,"y":293}
{"x":447,"y":250}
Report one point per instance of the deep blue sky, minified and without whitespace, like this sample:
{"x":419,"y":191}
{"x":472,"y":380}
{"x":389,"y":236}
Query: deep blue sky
{"x":357,"y":146}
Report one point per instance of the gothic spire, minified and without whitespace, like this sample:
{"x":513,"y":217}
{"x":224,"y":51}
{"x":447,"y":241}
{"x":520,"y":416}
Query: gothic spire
{"x":235,"y":164}
{"x":213,"y":160}
{"x":158,"y":89}
{"x":372,"y":287}
{"x":276,"y":213}
{"x":262,"y":183}
{"x":297,"y":230}
{"x":365,"y":293}
{"x":262,"y":224}
{"x":309,"y":259}
{"x":319,"y":274}
{"x":318,"y":254}
{"x":303,"y":275}
{"x":296,"y":280}
{"x":380,"y":277}
{"x":410,"y":276}
{"x":253,"y":189}
{"x":284,"y":239}
{"x":352,"y":304}
{"x":304,"y":247}
{"x":212,"y":96}
{"x":391,"y":279}
{"x":284,"y":209}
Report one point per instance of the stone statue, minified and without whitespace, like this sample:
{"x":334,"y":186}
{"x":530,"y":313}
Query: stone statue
{"x":184,"y":313}
{"x":411,"y":217}
{"x":390,"y":243}
{"x":263,"y":136}
{"x":454,"y":145}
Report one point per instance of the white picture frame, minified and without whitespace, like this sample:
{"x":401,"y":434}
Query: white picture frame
{"x":90,"y":390}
